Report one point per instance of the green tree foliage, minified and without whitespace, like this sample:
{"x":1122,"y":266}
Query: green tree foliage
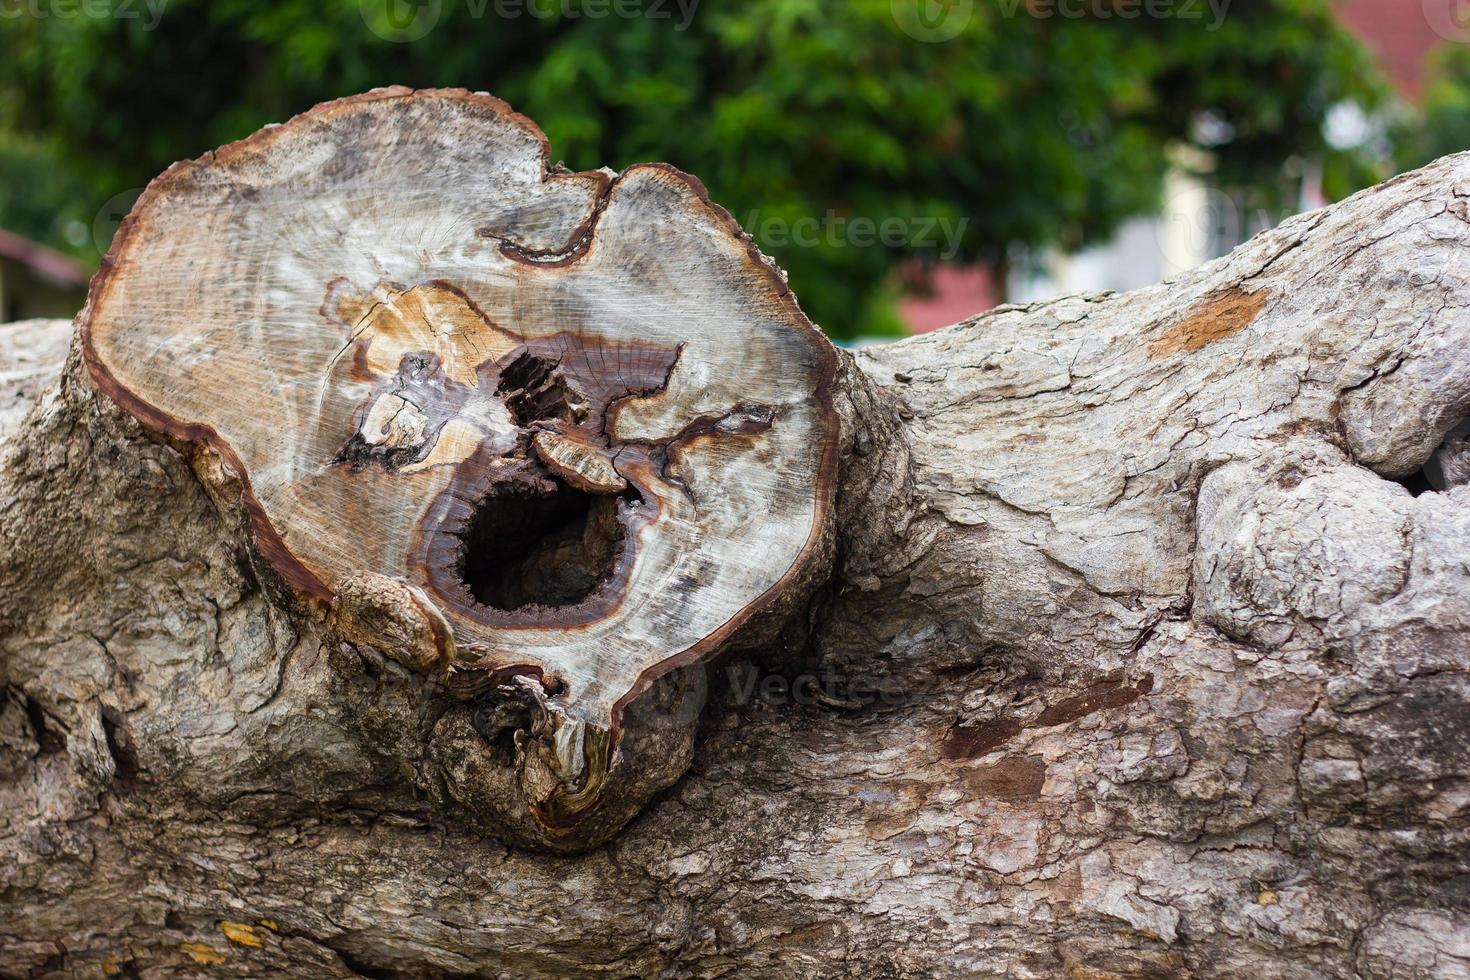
{"x":1441,"y":123}
{"x":1040,"y":121}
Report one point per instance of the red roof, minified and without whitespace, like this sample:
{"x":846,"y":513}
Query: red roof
{"x":59,"y":269}
{"x":1400,"y":33}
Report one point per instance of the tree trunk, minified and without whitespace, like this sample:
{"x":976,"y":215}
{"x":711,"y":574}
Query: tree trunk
{"x":1143,"y":653}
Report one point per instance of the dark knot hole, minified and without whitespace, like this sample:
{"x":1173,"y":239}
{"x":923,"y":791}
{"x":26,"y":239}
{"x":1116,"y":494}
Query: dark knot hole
{"x":525,"y":546}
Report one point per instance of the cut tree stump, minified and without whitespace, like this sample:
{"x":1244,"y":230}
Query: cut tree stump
{"x":579,"y":420}
{"x":402,"y":496}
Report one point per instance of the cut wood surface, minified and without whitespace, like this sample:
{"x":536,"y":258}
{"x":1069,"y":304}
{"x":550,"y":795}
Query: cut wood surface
{"x":1145,"y":653}
{"x":580,"y":414}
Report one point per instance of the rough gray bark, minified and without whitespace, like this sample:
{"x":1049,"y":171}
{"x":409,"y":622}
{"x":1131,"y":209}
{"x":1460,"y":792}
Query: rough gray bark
{"x":1140,"y":659}
{"x":30,"y":352}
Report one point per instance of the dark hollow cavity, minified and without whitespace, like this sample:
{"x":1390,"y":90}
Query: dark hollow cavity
{"x":1447,"y":467}
{"x":528,"y":548}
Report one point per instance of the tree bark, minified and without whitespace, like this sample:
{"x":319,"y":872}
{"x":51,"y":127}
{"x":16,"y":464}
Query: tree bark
{"x":1144,"y":654}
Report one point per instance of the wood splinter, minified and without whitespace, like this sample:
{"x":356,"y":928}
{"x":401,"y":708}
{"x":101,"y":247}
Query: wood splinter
{"x":573,"y":422}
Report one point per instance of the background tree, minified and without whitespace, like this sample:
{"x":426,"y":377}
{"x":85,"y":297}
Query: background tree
{"x":1029,"y":129}
{"x":1441,"y":123}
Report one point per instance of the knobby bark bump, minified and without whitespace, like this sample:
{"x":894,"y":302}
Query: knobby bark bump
{"x":426,"y":560}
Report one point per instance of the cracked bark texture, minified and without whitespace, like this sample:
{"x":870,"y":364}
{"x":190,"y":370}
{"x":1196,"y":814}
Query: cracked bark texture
{"x":1142,"y":658}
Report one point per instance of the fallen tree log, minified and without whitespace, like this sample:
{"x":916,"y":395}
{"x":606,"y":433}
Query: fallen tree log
{"x":1125,"y":635}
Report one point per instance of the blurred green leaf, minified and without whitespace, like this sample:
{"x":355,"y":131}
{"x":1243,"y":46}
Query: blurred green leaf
{"x":1018,"y":130}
